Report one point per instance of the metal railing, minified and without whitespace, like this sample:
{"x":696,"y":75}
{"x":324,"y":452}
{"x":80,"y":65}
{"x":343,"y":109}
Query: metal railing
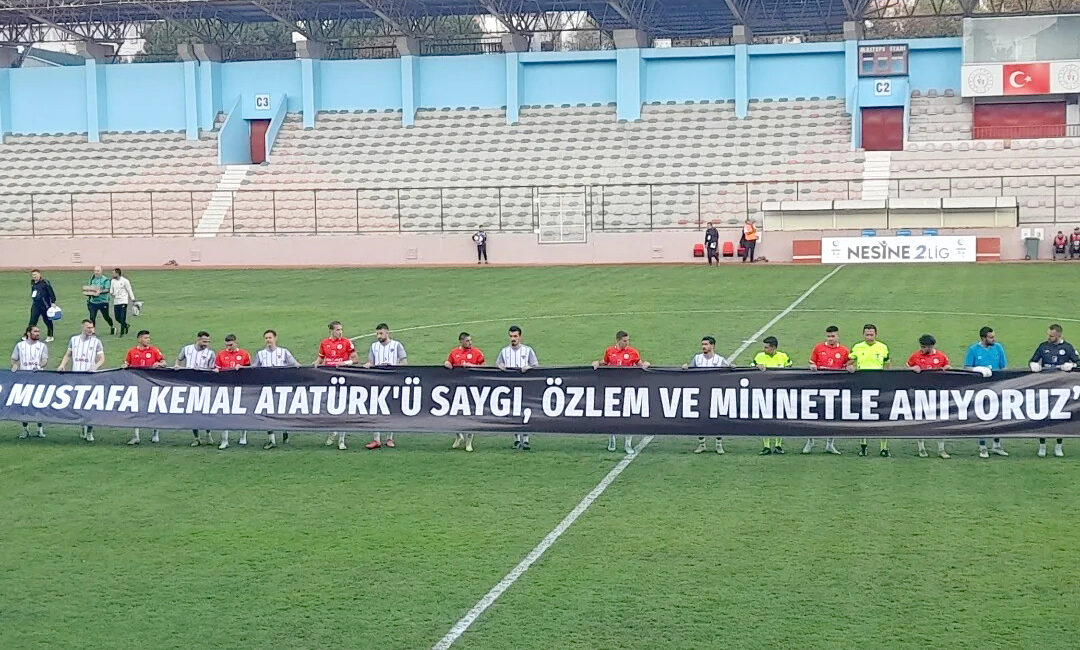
{"x":1021,"y":132}
{"x":370,"y":52}
{"x":522,"y":208}
{"x":461,"y":46}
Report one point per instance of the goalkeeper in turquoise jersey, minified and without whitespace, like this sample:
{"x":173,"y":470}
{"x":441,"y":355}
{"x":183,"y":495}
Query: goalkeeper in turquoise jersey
{"x":770,"y":357}
{"x":870,"y":354}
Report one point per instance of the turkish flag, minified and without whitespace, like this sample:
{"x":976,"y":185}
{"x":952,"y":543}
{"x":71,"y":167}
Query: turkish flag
{"x":1026,"y":78}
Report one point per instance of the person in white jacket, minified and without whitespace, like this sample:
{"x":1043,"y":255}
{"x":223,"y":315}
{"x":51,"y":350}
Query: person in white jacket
{"x":123,"y":295}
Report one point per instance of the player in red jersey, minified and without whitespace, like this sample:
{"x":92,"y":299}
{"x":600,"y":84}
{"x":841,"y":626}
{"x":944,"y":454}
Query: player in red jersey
{"x":465,"y":355}
{"x":621,"y":355}
{"x":231,"y":358}
{"x":336,"y":350}
{"x":829,"y":355}
{"x":144,"y":355}
{"x":928,"y":359}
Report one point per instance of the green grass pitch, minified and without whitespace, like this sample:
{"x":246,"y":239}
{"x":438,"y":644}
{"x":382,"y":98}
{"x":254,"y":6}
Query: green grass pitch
{"x":165,"y":546}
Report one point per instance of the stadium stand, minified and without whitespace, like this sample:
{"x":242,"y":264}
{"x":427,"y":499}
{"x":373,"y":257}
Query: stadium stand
{"x":72,"y":187}
{"x":939,"y":116}
{"x":648,"y":172}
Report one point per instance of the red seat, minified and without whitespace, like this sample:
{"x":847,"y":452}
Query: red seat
{"x":729,"y":249}
{"x":699,"y":250}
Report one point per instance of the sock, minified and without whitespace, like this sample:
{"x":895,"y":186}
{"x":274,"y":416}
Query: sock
{"x":765,"y":443}
{"x":525,"y":438}
{"x":89,"y":428}
{"x":630,"y":440}
{"x":378,"y":437}
{"x":469,"y":437}
{"x":922,"y":446}
{"x":862,"y":442}
{"x":284,"y":436}
{"x":829,"y":442}
{"x":195,"y":432}
{"x":517,"y":437}
{"x":136,"y":433}
{"x":243,"y":437}
{"x":225,"y":437}
{"x":701,"y":440}
{"x":1059,"y":441}
{"x":941,"y":445}
{"x":40,"y":428}
{"x":779,"y":442}
{"x":271,"y":438}
{"x":26,"y":427}
{"x":611,"y":440}
{"x":884,"y":444}
{"x":390,"y":436}
{"x":997,"y":442}
{"x":1042,"y":441}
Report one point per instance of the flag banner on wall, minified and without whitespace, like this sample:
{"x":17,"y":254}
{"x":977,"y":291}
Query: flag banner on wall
{"x":896,"y":403}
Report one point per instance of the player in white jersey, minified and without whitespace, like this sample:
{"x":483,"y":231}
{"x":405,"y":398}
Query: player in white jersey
{"x":273,"y":356}
{"x":198,"y":356}
{"x":520,"y":357}
{"x":86,"y":354}
{"x":30,"y":354}
{"x":708,"y":358}
{"x":385,"y":351}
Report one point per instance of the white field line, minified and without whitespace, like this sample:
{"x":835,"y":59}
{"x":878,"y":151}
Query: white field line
{"x":481,"y":606}
{"x":776,"y":319}
{"x":470,"y":617}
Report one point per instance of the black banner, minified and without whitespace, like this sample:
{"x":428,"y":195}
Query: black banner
{"x":740,"y":402}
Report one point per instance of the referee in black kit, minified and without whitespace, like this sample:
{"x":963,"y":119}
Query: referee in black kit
{"x":480,"y":238}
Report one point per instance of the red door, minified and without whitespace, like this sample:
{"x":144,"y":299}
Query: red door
{"x":883,"y":129}
{"x":1020,"y":120}
{"x":258,"y":140}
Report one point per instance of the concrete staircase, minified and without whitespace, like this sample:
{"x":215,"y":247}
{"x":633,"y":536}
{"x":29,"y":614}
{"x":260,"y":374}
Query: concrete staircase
{"x":875,"y":175}
{"x":221,"y":201}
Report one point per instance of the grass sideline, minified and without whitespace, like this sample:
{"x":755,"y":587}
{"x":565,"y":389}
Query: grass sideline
{"x":169,"y":546}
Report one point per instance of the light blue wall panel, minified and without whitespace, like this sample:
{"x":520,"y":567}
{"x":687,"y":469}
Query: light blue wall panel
{"x":245,"y":79}
{"x":144,"y":97}
{"x":568,"y":82}
{"x":687,"y":80}
{"x":48,"y":100}
{"x":812,"y":74}
{"x":935,"y":69}
{"x":359,"y":85}
{"x":462,"y":81}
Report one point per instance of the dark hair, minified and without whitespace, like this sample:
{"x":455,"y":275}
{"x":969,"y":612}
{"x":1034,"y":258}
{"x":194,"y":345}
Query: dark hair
{"x":709,"y":339}
{"x":984,"y":331}
{"x":230,"y":337}
{"x":202,"y":333}
{"x":270,"y":332}
{"x":87,"y":320}
{"x":333,"y":324}
{"x":927,"y":339}
{"x":28,"y":328}
{"x":1056,"y":328}
{"x":621,"y":334}
{"x":514,"y":328}
{"x":35,"y":271}
{"x":832,"y":328}
{"x":141,"y":332}
{"x":463,"y":336}
{"x":118,"y":271}
{"x":770,"y":340}
{"x":869,"y":326}
{"x":382,"y":326}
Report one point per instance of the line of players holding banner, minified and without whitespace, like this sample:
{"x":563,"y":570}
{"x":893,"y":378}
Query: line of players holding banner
{"x":85,"y":353}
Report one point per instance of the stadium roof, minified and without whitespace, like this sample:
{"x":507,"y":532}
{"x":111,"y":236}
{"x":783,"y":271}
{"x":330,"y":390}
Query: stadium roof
{"x":660,"y":18}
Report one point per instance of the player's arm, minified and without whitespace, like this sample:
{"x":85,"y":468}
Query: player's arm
{"x":370,"y":359}
{"x":403,"y":359}
{"x":888,"y":360}
{"x":601,"y":362}
{"x":291,"y":360}
{"x":532,"y":363}
{"x":64,"y":361}
{"x":912,"y":365}
{"x":1035,"y":364}
{"x":99,"y":360}
{"x":15,"y":360}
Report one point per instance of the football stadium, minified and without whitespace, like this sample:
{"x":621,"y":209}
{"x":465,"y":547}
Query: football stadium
{"x":505,"y":324}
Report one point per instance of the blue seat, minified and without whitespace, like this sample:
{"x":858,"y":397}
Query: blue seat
{"x":903,"y":233}
{"x":929,"y":232}
{"x":869,"y":232}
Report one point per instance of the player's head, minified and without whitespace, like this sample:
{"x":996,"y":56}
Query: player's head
{"x":87,"y":327}
{"x":202,"y":340}
{"x":515,"y":335}
{"x":230,"y":342}
{"x":97,"y":270}
{"x":116,"y":273}
{"x":1061,"y":234}
{"x":382,"y":332}
{"x":464,"y":340}
{"x":144,"y":337}
{"x":270,"y":338}
{"x":769,"y":344}
{"x":32,"y":333}
{"x":708,"y":344}
{"x":709,"y":224}
{"x":35,"y":275}
{"x":1076,"y":229}
{"x":832,"y":335}
{"x":927,"y":343}
{"x":986,"y":335}
{"x":622,"y":339}
{"x":1053,"y":334}
{"x":335,"y":329}
{"x":869,"y":332}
